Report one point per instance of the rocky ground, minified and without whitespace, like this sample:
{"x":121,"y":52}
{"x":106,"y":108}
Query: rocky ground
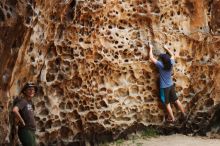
{"x":174,"y":140}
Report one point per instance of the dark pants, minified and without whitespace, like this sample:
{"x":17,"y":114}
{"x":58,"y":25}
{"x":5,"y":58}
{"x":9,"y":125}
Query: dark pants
{"x":27,"y":137}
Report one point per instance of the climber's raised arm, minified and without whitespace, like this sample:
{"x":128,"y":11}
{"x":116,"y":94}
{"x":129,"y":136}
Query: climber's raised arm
{"x":151,"y":55}
{"x":169,"y":51}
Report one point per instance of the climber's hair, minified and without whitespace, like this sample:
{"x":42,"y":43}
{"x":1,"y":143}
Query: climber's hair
{"x":165,"y":58}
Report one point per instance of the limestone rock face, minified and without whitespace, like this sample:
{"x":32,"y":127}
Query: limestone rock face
{"x":90,"y":60}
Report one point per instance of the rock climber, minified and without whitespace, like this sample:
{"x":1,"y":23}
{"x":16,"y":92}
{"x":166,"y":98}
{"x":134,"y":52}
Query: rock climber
{"x":167,"y":88}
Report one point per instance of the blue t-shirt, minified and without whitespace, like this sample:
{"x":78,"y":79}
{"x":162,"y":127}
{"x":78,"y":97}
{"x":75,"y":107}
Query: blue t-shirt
{"x":165,"y":75}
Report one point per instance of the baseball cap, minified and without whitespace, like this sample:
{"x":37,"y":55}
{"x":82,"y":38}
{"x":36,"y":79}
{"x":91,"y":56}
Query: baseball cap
{"x":28,"y":85}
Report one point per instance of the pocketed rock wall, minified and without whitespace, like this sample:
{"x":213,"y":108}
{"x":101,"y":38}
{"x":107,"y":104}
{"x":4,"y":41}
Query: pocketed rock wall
{"x":90,"y":60}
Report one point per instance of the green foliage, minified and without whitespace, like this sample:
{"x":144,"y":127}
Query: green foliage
{"x":134,"y":139}
{"x":150,"y":132}
{"x":139,"y":144}
{"x":119,"y":142}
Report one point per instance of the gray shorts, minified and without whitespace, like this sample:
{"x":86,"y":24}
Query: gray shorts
{"x":168,"y":95}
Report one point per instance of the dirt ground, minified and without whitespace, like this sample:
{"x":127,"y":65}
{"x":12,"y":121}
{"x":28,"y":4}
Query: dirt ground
{"x":172,"y":140}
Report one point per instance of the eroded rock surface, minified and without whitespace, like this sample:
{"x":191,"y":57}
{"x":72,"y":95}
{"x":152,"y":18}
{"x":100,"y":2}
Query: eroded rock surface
{"x":90,"y":60}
